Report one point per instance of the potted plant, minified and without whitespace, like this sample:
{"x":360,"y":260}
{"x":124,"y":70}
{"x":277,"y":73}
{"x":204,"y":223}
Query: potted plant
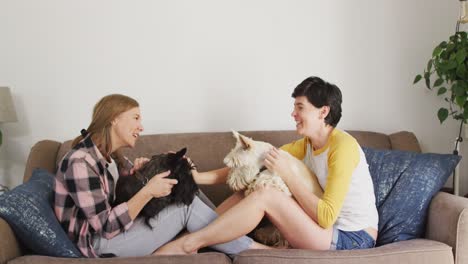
{"x":448,"y":67}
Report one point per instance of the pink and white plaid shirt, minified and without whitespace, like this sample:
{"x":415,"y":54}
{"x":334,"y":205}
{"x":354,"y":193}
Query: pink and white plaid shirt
{"x":84,"y":194}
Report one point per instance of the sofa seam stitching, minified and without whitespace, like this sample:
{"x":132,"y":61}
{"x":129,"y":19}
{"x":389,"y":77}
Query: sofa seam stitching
{"x":457,"y":235}
{"x":366,"y":256}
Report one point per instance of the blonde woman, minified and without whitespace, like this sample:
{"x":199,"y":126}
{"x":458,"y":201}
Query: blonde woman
{"x":84,"y":191}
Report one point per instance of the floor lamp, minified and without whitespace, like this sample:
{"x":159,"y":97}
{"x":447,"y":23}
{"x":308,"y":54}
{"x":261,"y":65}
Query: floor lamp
{"x":7,"y":114}
{"x":463,"y":19}
{"x":456,"y":174}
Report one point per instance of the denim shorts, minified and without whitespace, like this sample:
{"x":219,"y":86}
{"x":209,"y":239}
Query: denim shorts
{"x":347,"y":240}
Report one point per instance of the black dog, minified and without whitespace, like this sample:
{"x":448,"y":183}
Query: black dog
{"x":182,"y":193}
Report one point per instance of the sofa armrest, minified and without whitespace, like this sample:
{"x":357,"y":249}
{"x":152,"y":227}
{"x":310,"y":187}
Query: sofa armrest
{"x":9,"y":246}
{"x":448,"y":223}
{"x":42,"y":155}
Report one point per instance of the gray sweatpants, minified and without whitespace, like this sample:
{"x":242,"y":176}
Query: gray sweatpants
{"x":141,"y":240}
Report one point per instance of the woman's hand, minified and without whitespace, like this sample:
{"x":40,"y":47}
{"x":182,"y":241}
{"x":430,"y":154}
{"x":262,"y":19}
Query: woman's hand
{"x":190,"y":162}
{"x":159,"y":185}
{"x":194,"y":170}
{"x":138,"y":164}
{"x":276,"y":161}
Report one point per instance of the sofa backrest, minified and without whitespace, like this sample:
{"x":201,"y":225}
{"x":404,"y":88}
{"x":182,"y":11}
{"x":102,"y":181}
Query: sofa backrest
{"x":208,"y":149}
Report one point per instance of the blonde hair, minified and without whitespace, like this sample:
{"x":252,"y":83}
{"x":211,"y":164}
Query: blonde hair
{"x":105,"y":111}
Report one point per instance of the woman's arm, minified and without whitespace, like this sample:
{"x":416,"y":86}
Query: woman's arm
{"x":85,"y":188}
{"x":277,"y":161}
{"x":158,"y":186}
{"x":137,"y":202}
{"x":211,"y":177}
{"x":342,"y":161}
{"x":307,"y":200}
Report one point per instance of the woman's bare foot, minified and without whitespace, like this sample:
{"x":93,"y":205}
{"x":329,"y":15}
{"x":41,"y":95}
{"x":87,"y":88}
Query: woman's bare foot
{"x":175,"y":247}
{"x":189,"y":244}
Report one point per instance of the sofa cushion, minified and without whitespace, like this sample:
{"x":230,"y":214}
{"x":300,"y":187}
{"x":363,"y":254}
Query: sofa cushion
{"x":416,"y":251}
{"x":27,"y":209}
{"x":404,"y":184}
{"x":200,"y":258}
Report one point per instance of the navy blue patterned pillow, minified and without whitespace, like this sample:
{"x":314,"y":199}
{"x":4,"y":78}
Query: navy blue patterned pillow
{"x":404,"y":184}
{"x":28,"y":211}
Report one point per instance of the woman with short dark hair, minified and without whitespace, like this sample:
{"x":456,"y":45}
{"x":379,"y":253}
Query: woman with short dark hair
{"x":345,"y":217}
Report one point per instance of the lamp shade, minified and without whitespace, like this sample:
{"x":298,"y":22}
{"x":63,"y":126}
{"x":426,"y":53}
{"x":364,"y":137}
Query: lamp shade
{"x":7,"y":109}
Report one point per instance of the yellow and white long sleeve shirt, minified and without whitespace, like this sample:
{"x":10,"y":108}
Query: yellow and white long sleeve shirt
{"x":348,"y":201}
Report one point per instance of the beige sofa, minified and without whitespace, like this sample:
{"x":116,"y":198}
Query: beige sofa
{"x":446,"y":238}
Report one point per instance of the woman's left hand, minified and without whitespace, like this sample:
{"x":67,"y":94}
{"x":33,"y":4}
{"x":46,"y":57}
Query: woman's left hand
{"x":190,"y":162}
{"x":138,"y":164}
{"x":276,"y":161}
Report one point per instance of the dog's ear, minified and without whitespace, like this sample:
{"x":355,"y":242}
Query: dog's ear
{"x":245,"y":141}
{"x":176,"y":157}
{"x":180,"y":154}
{"x":235,"y":134}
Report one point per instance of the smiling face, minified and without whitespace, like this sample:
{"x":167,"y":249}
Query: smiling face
{"x":309,"y":119}
{"x":126,"y":128}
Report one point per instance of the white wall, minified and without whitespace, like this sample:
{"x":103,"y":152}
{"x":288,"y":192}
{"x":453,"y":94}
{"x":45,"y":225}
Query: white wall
{"x":213,"y":65}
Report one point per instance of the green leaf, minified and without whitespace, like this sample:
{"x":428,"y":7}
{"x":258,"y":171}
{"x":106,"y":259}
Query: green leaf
{"x":460,"y":100}
{"x":427,"y":78}
{"x":462,"y":34}
{"x":442,"y":114}
{"x":452,"y":65}
{"x":453,"y":56}
{"x":429,"y":65}
{"x":436,"y":51}
{"x":461,"y":71}
{"x":458,"y":90}
{"x":465,"y":113}
{"x":463,"y":85}
{"x":444,"y":55}
{"x":461,"y":56}
{"x":450,"y":47}
{"x":443,"y":44}
{"x":417,"y":78}
{"x":438,"y":82}
{"x":441,"y":90}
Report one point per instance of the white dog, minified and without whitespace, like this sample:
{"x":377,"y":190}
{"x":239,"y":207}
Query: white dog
{"x":248,"y":173}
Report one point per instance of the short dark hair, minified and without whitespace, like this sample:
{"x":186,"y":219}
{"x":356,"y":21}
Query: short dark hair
{"x":321,"y":93}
